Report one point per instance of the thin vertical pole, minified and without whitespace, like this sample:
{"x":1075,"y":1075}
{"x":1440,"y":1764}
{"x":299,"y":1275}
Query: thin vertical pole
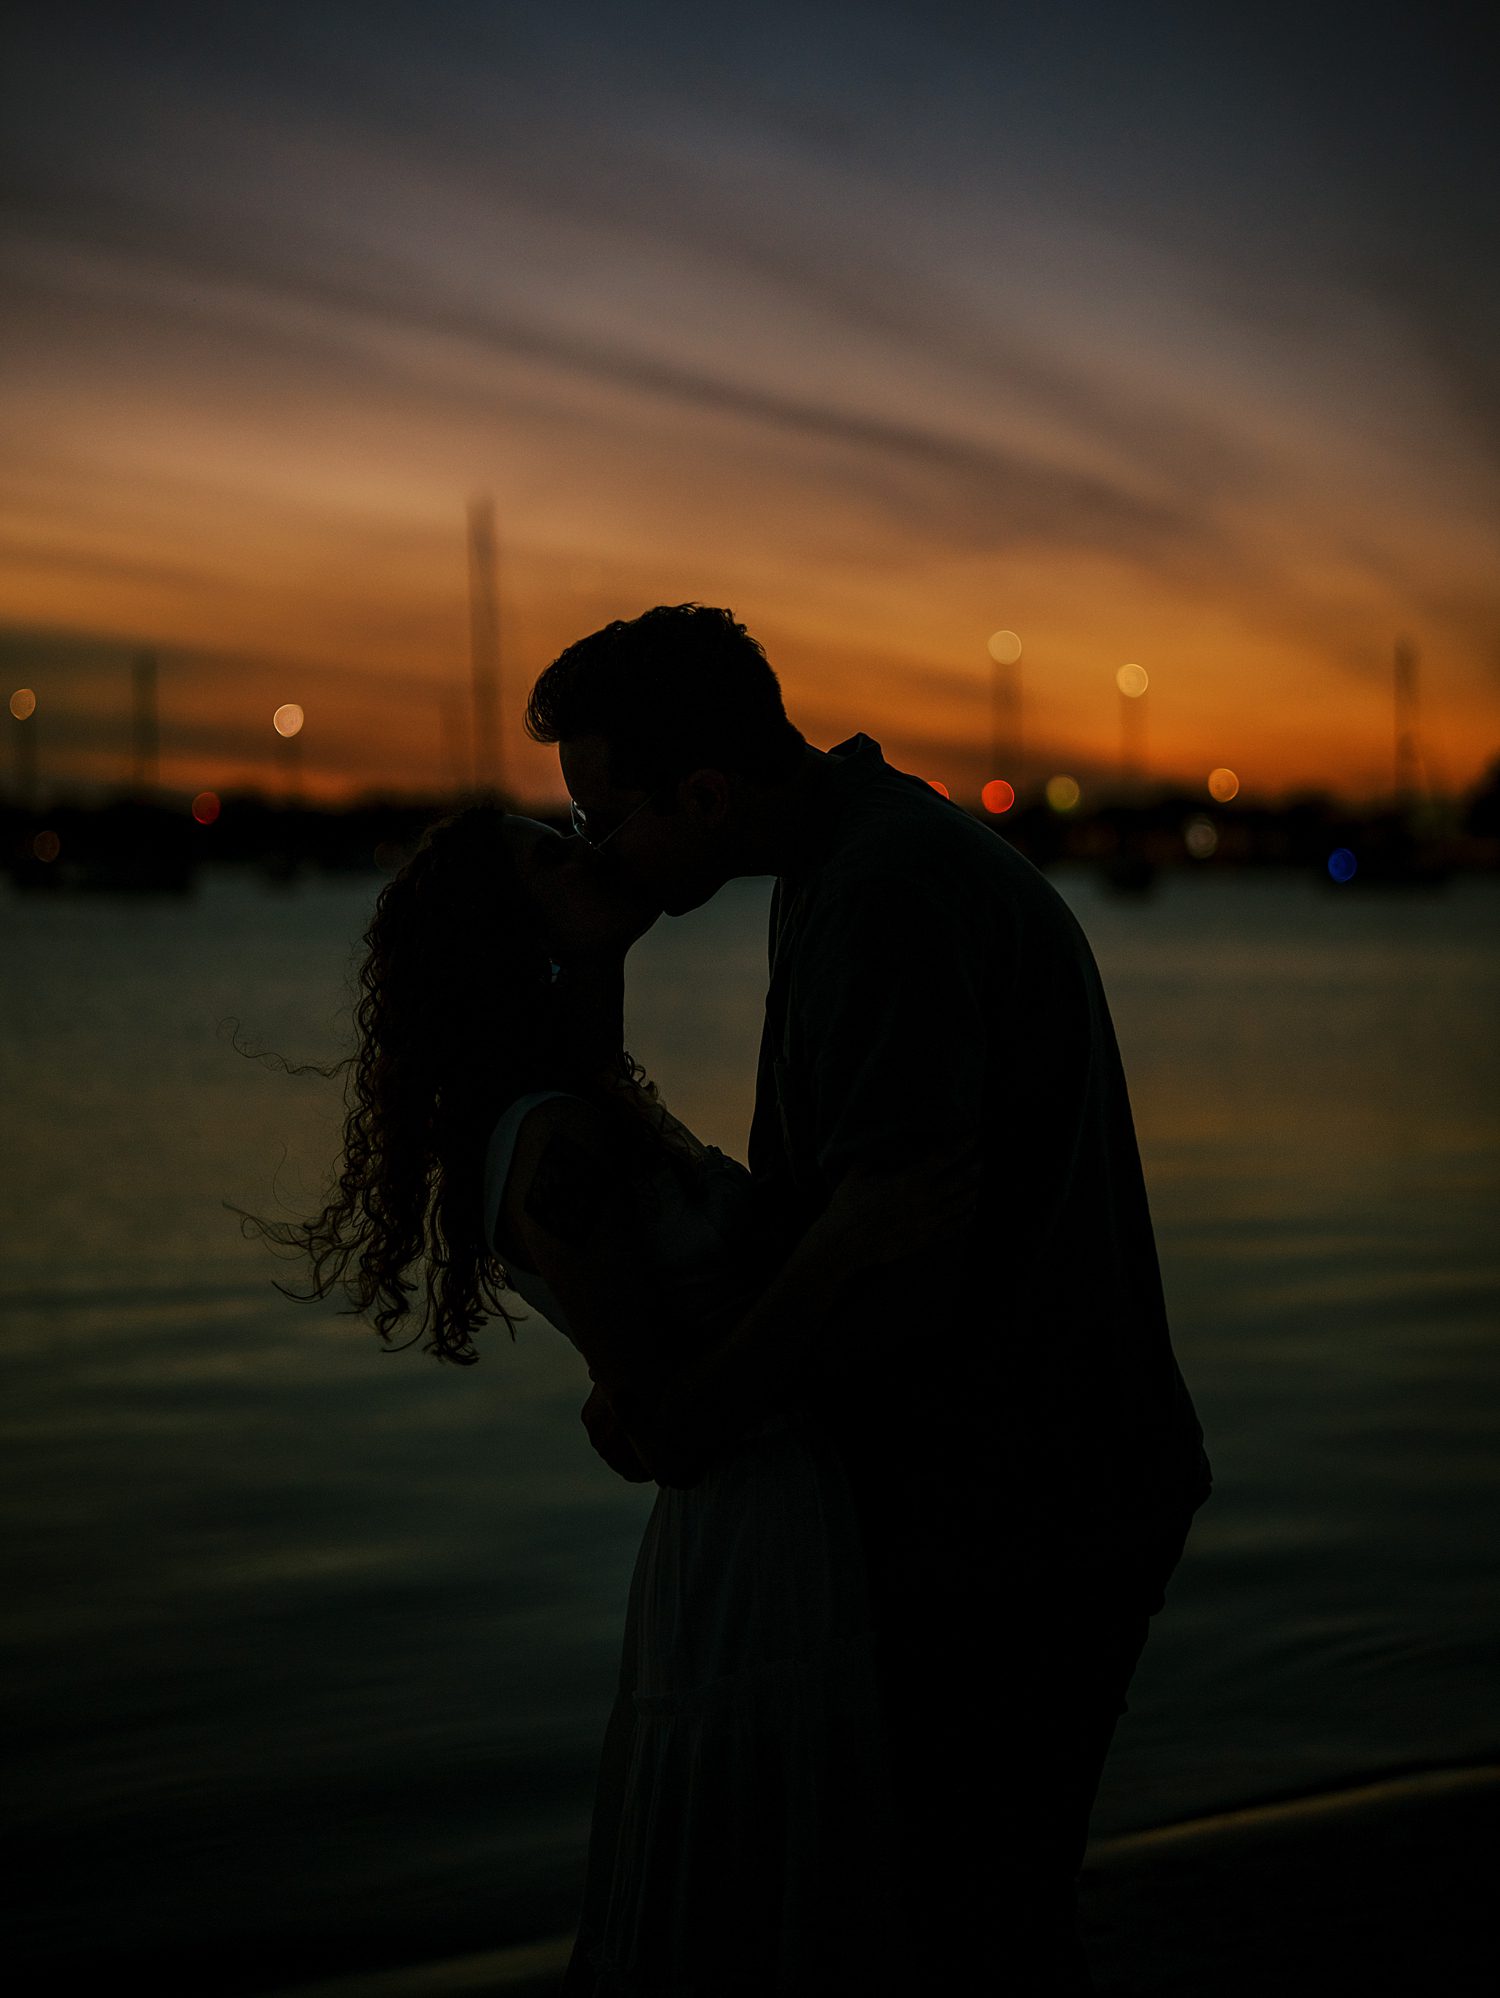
{"x":146,"y":737}
{"x":26,"y":763}
{"x":1405,"y":705}
{"x":1132,"y":739}
{"x":1005,"y":721}
{"x":484,"y":644}
{"x":451,"y":721}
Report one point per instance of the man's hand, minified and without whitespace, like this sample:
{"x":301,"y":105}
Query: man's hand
{"x":610,"y":1440}
{"x":679,"y":1431}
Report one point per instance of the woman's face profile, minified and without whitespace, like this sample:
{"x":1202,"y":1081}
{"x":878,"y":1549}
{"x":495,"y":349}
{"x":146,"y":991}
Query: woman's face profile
{"x":584,"y":909}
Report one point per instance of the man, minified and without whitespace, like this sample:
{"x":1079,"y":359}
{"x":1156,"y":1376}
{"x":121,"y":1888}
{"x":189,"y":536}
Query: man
{"x":938,"y":1075}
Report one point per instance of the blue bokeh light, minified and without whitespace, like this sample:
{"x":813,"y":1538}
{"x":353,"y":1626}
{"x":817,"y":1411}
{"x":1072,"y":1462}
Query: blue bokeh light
{"x":1342,"y":864}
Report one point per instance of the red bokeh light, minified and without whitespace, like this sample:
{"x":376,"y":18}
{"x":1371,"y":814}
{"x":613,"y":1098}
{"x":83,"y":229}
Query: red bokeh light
{"x":942,"y":789}
{"x":206,"y":807}
{"x":997,"y":795}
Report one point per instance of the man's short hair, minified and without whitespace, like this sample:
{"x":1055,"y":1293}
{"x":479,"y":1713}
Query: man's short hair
{"x":680,"y":688}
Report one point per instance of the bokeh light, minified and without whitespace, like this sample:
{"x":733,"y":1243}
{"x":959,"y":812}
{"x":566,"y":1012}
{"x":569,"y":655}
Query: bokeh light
{"x":206,"y":807}
{"x":1342,"y":865}
{"x":1223,"y":785}
{"x":390,"y":856}
{"x":998,"y":796}
{"x":1063,"y":793}
{"x":1133,"y":681}
{"x":941,"y":789}
{"x":287,"y":719}
{"x":45,"y":845}
{"x":1201,"y":838}
{"x":1005,"y":648}
{"x":23,"y":703}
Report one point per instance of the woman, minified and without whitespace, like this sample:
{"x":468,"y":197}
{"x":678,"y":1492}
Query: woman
{"x":500,"y":1138}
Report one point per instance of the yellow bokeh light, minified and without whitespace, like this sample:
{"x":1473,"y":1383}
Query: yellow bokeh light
{"x":1223,"y":785}
{"x":287,"y":719}
{"x":1063,"y":793}
{"x":1005,"y":648}
{"x":22,"y":703}
{"x":1132,"y":681}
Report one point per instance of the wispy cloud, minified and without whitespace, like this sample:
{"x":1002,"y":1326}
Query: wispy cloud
{"x":897,"y":326}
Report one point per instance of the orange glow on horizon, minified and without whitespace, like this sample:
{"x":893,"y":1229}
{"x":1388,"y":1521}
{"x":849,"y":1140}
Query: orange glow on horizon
{"x":382,"y":649}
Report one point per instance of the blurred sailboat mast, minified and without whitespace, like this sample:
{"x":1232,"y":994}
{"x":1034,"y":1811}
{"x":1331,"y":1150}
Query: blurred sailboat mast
{"x":23,"y":706}
{"x":484,"y":646}
{"x":145,"y":732}
{"x":1408,"y":754}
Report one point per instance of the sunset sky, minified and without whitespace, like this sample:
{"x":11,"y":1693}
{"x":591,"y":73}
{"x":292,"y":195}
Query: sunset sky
{"x":1154,"y":334}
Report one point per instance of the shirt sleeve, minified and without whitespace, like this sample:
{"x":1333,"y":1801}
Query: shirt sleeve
{"x":891,"y":1046}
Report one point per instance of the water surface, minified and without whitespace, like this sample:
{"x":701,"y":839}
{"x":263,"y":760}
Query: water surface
{"x":311,"y":1645}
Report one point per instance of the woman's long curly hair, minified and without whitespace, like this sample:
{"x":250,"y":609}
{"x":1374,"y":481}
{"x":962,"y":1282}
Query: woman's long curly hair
{"x":457,"y":1017}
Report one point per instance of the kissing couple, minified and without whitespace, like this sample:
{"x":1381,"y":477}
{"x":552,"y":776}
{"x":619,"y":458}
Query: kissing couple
{"x":925,"y":1459}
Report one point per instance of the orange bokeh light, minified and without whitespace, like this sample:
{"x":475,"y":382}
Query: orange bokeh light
{"x":941,"y":788}
{"x":1223,"y":785}
{"x":998,"y":796}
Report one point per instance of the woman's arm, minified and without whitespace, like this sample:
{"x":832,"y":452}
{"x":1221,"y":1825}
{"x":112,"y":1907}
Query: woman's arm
{"x":569,"y":1207}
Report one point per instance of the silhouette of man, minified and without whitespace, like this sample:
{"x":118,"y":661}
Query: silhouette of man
{"x":1024,"y":1453}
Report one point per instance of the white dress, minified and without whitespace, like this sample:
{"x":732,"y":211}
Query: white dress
{"x":743,"y":1839}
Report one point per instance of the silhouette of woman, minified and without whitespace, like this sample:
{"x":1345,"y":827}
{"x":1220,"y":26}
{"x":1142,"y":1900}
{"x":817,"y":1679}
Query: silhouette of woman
{"x":499,"y":1139}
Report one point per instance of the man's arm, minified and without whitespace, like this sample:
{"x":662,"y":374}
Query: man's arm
{"x":609,"y":1439}
{"x":874,"y":1218}
{"x":894,"y":1034}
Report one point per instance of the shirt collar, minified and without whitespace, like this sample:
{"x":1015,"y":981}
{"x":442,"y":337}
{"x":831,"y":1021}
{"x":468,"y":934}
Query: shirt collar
{"x":848,"y":763}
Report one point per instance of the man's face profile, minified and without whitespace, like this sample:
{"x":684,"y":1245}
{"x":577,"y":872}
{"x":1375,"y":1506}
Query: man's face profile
{"x":665,"y":856}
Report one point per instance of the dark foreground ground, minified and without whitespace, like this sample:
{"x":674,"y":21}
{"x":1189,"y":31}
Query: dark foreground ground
{"x":1382,"y":1890}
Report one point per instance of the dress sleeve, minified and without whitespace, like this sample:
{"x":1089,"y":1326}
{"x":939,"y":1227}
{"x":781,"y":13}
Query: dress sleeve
{"x":891,"y":1053}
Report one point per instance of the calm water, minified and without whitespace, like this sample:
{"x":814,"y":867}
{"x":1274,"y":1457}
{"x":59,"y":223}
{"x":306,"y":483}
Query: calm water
{"x":312,"y":1646}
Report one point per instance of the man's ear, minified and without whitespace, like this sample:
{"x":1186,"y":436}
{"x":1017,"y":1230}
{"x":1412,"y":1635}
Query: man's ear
{"x":706,"y":796}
